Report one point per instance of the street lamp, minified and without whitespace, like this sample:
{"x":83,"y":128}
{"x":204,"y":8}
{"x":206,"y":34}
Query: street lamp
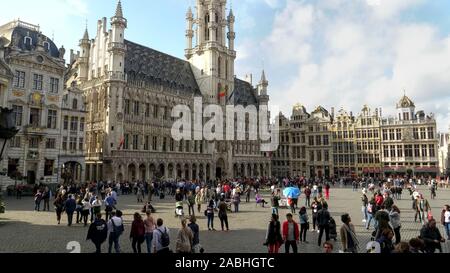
{"x":7,"y":131}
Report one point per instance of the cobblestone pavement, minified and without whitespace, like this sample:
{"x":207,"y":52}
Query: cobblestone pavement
{"x":25,"y":231}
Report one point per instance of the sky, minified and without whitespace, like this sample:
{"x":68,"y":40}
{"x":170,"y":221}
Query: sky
{"x":333,"y":53}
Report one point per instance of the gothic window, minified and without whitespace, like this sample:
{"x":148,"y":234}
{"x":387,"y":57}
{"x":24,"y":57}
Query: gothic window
{"x":207,"y":27}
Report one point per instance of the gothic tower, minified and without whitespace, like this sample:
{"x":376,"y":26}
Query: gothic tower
{"x":212,"y":57}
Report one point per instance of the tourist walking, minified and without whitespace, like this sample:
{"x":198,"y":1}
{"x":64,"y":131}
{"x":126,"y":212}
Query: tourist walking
{"x":161,"y":238}
{"x":86,"y":208}
{"x":223,"y":214}
{"x":210,"y":214}
{"x":274,"y":239}
{"x":365,"y":202}
{"x":37,"y":200}
{"x":304,"y":224}
{"x":199,"y":201}
{"x":291,"y":234}
{"x":348,"y":236}
{"x":185,"y":239}
{"x":323,"y":220}
{"x":445,"y":220}
{"x":98,"y":233}
{"x":191,"y":203}
{"x":275,"y":200}
{"x":137,"y":233}
{"x":196,"y":247}
{"x":394,"y":216}
{"x":70,"y":206}
{"x":150,"y":226}
{"x":307,"y":197}
{"x":315,"y":210}
{"x":59,"y":207}
{"x":115,"y":229}
{"x":46,"y":197}
{"x":236,"y":201}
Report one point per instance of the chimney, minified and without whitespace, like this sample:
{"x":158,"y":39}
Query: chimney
{"x":104,"y":24}
{"x":332,"y":112}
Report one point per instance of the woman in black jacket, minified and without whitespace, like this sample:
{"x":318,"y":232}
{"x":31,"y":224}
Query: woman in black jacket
{"x":274,"y":240}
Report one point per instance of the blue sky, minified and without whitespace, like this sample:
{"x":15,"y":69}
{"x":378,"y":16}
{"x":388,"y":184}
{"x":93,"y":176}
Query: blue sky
{"x":335,"y":53}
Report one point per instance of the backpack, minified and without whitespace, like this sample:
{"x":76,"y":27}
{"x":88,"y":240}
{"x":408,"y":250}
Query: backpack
{"x":118,"y":230}
{"x":164,"y":240}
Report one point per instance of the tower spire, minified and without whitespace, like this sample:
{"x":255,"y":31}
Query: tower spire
{"x":119,"y":12}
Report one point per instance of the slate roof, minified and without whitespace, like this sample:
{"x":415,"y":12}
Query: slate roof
{"x":151,"y":66}
{"x":243,"y":94}
{"x":16,"y":35}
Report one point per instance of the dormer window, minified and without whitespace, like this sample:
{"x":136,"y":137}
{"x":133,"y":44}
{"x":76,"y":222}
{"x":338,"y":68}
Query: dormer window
{"x":28,"y":42}
{"x":46,"y":46}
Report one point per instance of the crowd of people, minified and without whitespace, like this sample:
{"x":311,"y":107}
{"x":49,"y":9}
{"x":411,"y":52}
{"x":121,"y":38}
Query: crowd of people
{"x":96,"y":204}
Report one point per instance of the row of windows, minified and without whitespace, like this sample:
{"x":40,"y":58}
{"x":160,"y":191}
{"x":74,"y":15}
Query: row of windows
{"x":153,"y":143}
{"x":73,"y":123}
{"x":136,"y":109}
{"x":319,"y":140}
{"x":319,"y":156}
{"x":418,"y":133}
{"x":34,"y":117}
{"x":246,"y":148}
{"x":73,"y":144}
{"x":409,"y":151}
{"x":38,"y":82}
{"x":33,"y":143}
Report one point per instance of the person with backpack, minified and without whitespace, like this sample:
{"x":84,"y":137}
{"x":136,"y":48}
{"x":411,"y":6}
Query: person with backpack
{"x":137,"y":233}
{"x":196,"y":247}
{"x":109,"y":206}
{"x":115,"y":229}
{"x":191,"y":203}
{"x":304,"y":224}
{"x":98,"y":233}
{"x":161,"y":238}
{"x":323,"y":220}
{"x":185,"y":239}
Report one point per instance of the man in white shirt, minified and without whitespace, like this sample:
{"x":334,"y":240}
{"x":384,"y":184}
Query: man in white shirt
{"x":158,"y":233}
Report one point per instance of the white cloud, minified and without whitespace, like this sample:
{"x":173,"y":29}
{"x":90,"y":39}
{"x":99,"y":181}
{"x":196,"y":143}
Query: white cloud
{"x":347,"y":54}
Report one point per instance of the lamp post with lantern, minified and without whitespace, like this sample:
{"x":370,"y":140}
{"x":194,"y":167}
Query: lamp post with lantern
{"x":8,"y":130}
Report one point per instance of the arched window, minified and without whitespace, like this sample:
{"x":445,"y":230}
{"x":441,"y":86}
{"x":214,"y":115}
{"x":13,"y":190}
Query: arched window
{"x":75,"y":104}
{"x":28,"y":41}
{"x":47,"y":46}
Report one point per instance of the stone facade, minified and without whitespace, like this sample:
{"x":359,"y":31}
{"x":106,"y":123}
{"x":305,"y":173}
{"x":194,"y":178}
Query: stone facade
{"x":322,"y":144}
{"x":409,"y":142}
{"x":35,"y":95}
{"x":130,"y":92}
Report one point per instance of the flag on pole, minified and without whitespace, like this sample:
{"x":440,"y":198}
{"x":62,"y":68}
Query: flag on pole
{"x":222,"y":92}
{"x":122,"y":142}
